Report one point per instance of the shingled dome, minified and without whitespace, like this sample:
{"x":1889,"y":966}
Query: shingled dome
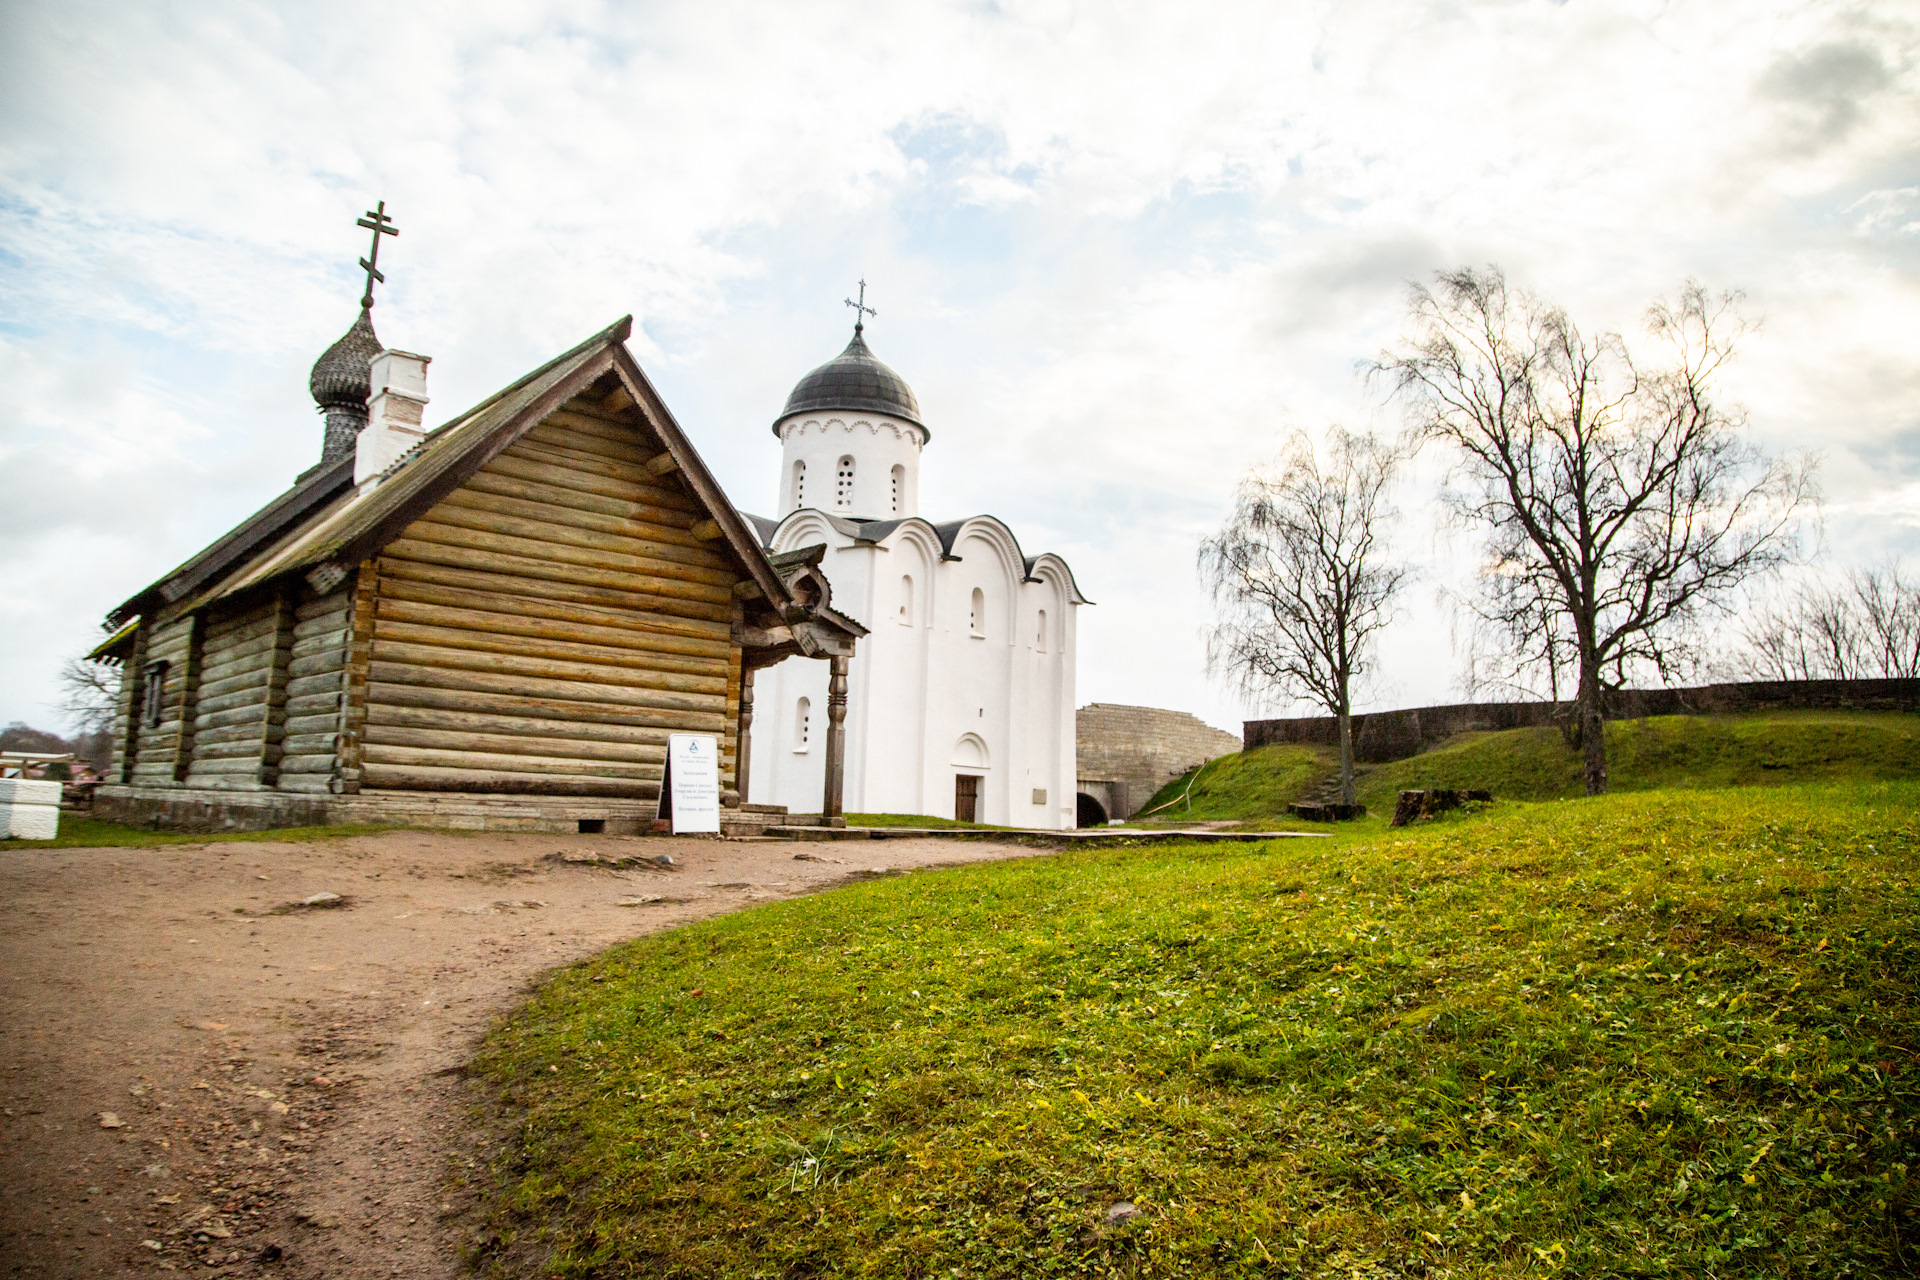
{"x":854,"y":380}
{"x":343,"y":375}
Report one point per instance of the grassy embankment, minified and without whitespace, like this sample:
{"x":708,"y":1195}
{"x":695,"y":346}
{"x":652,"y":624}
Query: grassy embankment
{"x":1657,"y":1034}
{"x":1695,"y":752}
{"x":1247,"y":784}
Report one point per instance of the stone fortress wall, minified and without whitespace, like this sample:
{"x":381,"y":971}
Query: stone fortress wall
{"x":1125,"y":754}
{"x":1394,"y":735}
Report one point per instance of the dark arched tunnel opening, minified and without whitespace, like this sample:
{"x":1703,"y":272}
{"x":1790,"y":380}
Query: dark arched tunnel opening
{"x":1089,"y":812}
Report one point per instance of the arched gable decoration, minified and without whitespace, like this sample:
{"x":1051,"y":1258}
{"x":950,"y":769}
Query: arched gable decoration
{"x":1052,"y":570}
{"x":984,"y":530}
{"x":802,"y":529}
{"x":970,"y":752}
{"x":938,"y":540}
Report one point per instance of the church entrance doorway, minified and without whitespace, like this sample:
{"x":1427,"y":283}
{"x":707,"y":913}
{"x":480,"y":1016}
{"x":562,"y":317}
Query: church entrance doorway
{"x":1088,"y":812}
{"x":966,"y":797}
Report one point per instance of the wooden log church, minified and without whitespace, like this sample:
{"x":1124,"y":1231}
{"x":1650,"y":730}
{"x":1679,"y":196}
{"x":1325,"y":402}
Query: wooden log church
{"x":494,"y":624}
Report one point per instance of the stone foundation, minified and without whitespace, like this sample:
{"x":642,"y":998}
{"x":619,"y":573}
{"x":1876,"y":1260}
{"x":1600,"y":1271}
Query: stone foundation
{"x":184,"y":809}
{"x":181,"y":809}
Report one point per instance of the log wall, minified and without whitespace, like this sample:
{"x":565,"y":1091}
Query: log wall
{"x":155,"y":746}
{"x":545,"y":627}
{"x":126,"y":712}
{"x":316,"y":660}
{"x":539,"y":631}
{"x":239,"y":653}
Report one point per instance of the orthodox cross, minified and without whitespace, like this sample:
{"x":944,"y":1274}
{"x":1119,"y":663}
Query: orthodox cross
{"x":381,"y":225}
{"x":860,"y":309}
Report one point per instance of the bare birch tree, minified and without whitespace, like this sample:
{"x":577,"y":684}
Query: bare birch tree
{"x":1866,"y":627}
{"x":1620,"y":500}
{"x":90,"y":694}
{"x":1300,"y":577}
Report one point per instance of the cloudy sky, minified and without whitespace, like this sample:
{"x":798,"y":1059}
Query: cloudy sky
{"x":1118,"y":250}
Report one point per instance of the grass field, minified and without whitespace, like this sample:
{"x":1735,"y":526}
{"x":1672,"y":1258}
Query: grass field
{"x":1538,"y":764}
{"x":1671,"y":1033}
{"x":1671,"y":751}
{"x":1248,"y":784}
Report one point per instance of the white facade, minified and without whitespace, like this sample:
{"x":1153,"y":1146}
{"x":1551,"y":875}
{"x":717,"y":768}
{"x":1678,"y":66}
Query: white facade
{"x":968,"y":672}
{"x":395,"y":413}
{"x":865,"y":465}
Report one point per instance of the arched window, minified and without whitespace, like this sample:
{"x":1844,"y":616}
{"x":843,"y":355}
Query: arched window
{"x":802,"y":728}
{"x":977,"y":615}
{"x":843,"y":483}
{"x":799,"y":485}
{"x":899,"y":478}
{"x":1040,"y":633}
{"x":906,"y":599}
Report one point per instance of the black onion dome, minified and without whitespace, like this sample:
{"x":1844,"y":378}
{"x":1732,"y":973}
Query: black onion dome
{"x":854,"y":379}
{"x":343,"y":375}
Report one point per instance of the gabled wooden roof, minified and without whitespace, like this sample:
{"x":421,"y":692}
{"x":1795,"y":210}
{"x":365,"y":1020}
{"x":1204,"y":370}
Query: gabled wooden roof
{"x":321,"y":523}
{"x":311,"y":491}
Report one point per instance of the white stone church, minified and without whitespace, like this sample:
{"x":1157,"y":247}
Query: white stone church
{"x":960,"y":703}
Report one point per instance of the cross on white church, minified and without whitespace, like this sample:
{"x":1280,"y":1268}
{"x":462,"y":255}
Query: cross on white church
{"x":960,"y":703}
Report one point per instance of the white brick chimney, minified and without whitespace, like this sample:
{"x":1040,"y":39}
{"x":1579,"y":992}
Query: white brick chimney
{"x":394,"y":413}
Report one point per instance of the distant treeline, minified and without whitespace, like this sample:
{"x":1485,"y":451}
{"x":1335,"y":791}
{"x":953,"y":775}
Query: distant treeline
{"x":95,"y":748}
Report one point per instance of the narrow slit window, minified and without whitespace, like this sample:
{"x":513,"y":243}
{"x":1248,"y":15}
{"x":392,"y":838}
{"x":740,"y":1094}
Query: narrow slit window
{"x":1040,"y":633}
{"x":977,"y":613}
{"x":843,"y":484}
{"x":799,"y":485}
{"x":153,"y":695}
{"x":899,"y":478}
{"x":906,"y":599}
{"x":802,"y":726}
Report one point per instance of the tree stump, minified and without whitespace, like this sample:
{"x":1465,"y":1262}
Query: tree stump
{"x":1316,"y":812}
{"x":1412,"y":806}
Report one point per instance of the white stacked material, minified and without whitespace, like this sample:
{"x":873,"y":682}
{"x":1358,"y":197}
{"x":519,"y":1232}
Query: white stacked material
{"x":29,"y":810}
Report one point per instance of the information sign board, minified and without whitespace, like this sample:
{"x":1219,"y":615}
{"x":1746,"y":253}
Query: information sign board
{"x":693,"y":768}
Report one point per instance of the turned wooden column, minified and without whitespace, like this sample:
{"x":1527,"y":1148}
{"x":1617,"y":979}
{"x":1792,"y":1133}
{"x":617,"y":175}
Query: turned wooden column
{"x":833,"y":804}
{"x":743,"y":753}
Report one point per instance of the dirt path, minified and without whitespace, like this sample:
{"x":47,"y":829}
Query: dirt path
{"x":280,"y":1091}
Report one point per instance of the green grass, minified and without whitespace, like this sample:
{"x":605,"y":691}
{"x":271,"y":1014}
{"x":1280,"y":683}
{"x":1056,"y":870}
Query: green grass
{"x":1656,"y":1034}
{"x":1768,"y":749}
{"x":1668,"y":751}
{"x":1247,"y":784}
{"x":88,"y":833}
